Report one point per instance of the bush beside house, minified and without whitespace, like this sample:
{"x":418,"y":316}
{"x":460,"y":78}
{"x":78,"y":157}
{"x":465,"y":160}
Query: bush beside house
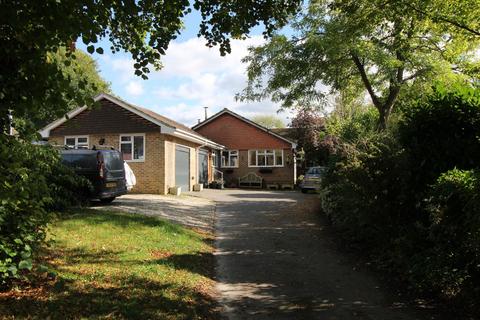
{"x":411,"y":194}
{"x":34,"y":184}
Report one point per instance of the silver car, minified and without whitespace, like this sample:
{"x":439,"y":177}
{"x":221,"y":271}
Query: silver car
{"x":312,"y":179}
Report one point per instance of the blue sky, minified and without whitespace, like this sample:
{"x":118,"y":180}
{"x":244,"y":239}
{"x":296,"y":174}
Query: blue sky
{"x":193,"y":77}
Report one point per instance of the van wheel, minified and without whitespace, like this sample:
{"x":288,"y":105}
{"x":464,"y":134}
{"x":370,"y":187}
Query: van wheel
{"x":107,"y":200}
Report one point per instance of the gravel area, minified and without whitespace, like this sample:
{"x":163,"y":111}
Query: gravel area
{"x":188,"y":210}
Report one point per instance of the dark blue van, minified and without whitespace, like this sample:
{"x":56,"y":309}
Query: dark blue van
{"x":104,"y":169}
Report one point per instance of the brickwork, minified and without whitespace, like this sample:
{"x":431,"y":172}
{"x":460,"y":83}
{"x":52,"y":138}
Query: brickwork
{"x":156,"y":174}
{"x":278,"y":175}
{"x":236,"y":134}
{"x":150,"y":172}
{"x":232,"y":132}
{"x":105,"y":118}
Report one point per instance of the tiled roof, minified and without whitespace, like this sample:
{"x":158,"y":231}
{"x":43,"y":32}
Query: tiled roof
{"x":163,"y":119}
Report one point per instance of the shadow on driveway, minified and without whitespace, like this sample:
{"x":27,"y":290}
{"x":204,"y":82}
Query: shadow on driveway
{"x":277,"y":259}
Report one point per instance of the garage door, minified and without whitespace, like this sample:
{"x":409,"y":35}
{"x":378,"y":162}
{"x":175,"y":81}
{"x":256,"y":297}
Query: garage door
{"x":203,"y":167}
{"x":182,"y":167}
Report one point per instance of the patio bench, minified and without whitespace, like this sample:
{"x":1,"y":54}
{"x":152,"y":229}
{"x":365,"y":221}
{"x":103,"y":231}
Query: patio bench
{"x":250,"y":180}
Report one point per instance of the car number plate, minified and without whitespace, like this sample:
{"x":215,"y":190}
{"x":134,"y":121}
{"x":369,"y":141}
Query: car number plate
{"x":111,"y":184}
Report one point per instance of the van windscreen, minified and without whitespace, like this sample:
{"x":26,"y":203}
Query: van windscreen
{"x":80,"y":161}
{"x":113,"y":160}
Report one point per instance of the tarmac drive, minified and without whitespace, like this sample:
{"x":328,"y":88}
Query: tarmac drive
{"x":277,"y":259}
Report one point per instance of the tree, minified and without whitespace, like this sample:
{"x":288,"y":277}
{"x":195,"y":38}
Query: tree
{"x":269,"y":121}
{"x":30,"y":81}
{"x":379,"y":46}
{"x":307,"y":125}
{"x":83,"y":76}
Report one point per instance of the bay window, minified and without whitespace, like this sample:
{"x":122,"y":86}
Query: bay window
{"x":133,"y":147}
{"x":265,"y":158}
{"x":230,"y":159}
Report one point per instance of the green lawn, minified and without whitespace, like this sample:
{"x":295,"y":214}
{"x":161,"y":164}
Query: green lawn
{"x":112,"y":265}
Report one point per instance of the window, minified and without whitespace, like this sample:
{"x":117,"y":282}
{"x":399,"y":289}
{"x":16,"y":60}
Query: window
{"x":77,"y":142}
{"x":230,"y":159}
{"x":265,"y":158}
{"x":133,"y":147}
{"x":215,"y":159}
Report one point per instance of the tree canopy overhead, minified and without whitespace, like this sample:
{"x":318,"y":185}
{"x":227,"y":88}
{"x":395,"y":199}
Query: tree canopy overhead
{"x":30,"y":29}
{"x":377,"y":46}
{"x":269,"y":121}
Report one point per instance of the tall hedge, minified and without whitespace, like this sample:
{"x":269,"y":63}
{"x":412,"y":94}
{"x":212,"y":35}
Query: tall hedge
{"x":411,"y":196}
{"x":442,"y":132}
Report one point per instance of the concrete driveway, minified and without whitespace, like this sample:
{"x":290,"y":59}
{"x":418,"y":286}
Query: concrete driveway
{"x":277,"y":259}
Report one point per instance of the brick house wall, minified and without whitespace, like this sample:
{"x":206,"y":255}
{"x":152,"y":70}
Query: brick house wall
{"x":156,"y":174}
{"x":149,"y":173}
{"x":236,"y":134}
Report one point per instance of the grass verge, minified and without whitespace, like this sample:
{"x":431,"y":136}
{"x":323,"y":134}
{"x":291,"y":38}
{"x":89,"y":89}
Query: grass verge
{"x":118,"y":266}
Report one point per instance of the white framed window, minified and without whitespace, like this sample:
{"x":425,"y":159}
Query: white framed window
{"x":132,"y":147}
{"x":77,"y":142}
{"x":265,"y":158}
{"x":215,"y":159}
{"x":230,"y":159}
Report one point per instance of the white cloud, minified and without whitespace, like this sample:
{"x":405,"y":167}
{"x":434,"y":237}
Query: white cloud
{"x":194,"y":76}
{"x":134,"y":88}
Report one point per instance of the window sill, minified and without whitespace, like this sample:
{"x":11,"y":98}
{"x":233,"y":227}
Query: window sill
{"x":263,"y":167}
{"x":128,"y":161}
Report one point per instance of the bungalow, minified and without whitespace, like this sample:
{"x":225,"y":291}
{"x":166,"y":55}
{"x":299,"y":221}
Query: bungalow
{"x":161,"y":152}
{"x":249,"y":148}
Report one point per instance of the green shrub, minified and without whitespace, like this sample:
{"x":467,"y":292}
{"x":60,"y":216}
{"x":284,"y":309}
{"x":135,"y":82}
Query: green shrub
{"x":441,"y":132}
{"x":359,"y":126}
{"x":366,"y":193}
{"x":67,"y":189}
{"x":33,"y":182}
{"x":452,"y":262}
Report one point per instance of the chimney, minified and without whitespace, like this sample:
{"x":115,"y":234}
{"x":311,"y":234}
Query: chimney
{"x":198,"y":120}
{"x":205,"y":112}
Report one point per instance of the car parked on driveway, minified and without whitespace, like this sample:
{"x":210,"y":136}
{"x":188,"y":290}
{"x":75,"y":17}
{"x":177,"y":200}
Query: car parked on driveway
{"x":104,"y":169}
{"x":312,"y":179}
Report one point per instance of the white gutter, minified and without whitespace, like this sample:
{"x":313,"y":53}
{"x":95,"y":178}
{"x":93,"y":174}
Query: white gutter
{"x":197,"y":139}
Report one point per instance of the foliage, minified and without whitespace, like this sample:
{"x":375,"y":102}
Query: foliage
{"x":441,"y":131}
{"x":269,"y":121}
{"x":124,"y":266}
{"x":308,"y":125}
{"x":401,"y":193}
{"x":452,"y":262}
{"x":66,"y":188}
{"x":33,"y":183}
{"x":32,"y":84}
{"x":358,"y":125}
{"x":379,"y":46}
{"x":81,"y":72}
{"x":366,"y":192}
{"x":24,"y":196}
{"x":83,"y":75}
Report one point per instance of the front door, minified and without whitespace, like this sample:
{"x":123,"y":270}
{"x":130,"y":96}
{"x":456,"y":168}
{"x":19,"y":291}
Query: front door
{"x":203,"y":167}
{"x":182,"y":167}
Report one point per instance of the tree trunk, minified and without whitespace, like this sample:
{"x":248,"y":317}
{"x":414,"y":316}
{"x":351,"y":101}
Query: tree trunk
{"x":382,"y":119}
{"x":385,"y":109}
